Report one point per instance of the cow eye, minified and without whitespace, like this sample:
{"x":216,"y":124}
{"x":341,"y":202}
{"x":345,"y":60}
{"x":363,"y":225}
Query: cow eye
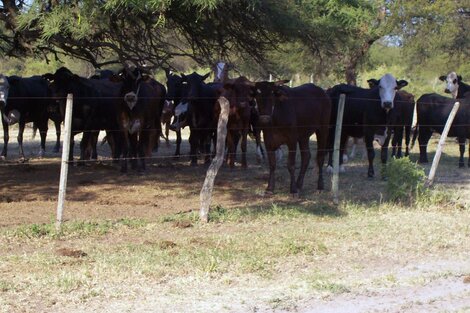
{"x":454,"y":81}
{"x":258,"y":91}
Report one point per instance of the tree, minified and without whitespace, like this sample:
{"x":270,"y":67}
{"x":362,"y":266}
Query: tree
{"x":151,"y":32}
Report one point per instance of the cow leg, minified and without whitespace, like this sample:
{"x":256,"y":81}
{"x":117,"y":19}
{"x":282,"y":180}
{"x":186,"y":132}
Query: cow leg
{"x":423,"y":139}
{"x":206,"y":145}
{"x":178,"y":143}
{"x":194,"y":146}
{"x":272,"y":168}
{"x":230,"y":149}
{"x":368,"y":139}
{"x":243,"y":147}
{"x":259,"y":148}
{"x":291,"y":167}
{"x":84,"y":144}
{"x":462,"y":151}
{"x":167,"y":133}
{"x":20,"y":140}
{"x":384,"y":150}
{"x":407,"y":139}
{"x":57,"y":133}
{"x":6,"y":137}
{"x":305,"y":156}
{"x":43,"y":134}
{"x":398,"y":141}
{"x":124,"y":144}
{"x":93,"y":144}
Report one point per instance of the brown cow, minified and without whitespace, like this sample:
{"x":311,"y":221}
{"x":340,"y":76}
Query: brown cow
{"x":239,"y":93}
{"x":290,"y":116}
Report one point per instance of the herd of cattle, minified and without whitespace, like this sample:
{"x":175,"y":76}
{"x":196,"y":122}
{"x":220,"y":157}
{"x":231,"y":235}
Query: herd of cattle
{"x":131,"y":106}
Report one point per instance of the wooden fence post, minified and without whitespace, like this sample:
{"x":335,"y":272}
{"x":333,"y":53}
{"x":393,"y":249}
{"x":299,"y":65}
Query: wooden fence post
{"x":336,"y":149}
{"x":64,"y":168}
{"x":270,"y":77}
{"x":208,"y":186}
{"x":440,"y":146}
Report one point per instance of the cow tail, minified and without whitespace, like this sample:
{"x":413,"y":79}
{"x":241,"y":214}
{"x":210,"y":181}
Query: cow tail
{"x":415,"y":134}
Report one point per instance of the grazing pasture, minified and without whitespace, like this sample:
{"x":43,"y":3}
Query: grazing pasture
{"x":133,"y":243}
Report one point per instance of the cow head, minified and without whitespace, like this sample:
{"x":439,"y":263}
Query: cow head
{"x":239,"y":92}
{"x":131,"y":78}
{"x":388,"y":86}
{"x":195,"y":83}
{"x":267,"y":95}
{"x":452,"y":81}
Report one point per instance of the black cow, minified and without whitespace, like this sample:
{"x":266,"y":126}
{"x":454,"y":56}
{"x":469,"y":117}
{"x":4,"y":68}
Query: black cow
{"x":139,"y":115}
{"x":24,"y":100}
{"x":290,"y":116}
{"x":433,"y":111}
{"x":454,"y":85}
{"x":201,"y":114}
{"x":176,"y":91}
{"x":95,"y":108}
{"x":366,"y":113}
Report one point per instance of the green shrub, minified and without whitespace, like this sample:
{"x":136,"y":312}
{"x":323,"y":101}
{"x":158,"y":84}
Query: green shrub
{"x":405,"y":180}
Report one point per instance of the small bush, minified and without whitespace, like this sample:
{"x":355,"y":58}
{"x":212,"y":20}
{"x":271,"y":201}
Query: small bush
{"x":405,"y":180}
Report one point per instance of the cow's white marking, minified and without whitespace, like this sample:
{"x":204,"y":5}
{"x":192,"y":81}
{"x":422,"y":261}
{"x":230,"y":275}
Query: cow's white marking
{"x":329,"y":169}
{"x":13,"y":117}
{"x":452,"y":84}
{"x":181,"y":108}
{"x":135,"y":127}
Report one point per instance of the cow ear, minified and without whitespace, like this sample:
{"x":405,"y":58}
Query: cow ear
{"x":49,"y":77}
{"x":459,"y":78}
{"x":373,"y":82}
{"x":205,"y":76}
{"x":281,"y":82}
{"x":443,"y":78}
{"x":401,"y":83}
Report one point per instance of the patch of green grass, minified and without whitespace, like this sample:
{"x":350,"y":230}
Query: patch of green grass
{"x":73,"y":229}
{"x":6,"y":286}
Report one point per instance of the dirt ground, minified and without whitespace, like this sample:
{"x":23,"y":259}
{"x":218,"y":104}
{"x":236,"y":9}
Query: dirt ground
{"x":98,"y":191}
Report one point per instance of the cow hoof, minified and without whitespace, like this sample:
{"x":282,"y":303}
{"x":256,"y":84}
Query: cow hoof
{"x":295,"y":195}
{"x":3,"y":158}
{"x":342,"y":169}
{"x":193,"y":164}
{"x":21,"y":160}
{"x":461,"y":165}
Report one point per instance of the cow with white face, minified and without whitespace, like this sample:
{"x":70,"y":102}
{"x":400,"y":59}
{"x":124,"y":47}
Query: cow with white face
{"x":367,"y":113}
{"x":454,"y":85}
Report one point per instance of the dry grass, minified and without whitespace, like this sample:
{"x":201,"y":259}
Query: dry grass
{"x":256,"y":253}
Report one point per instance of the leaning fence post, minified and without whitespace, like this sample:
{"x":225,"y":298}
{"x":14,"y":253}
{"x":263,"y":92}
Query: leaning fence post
{"x":336,"y":149}
{"x":270,"y":77}
{"x":64,"y":164}
{"x":208,"y":186}
{"x":440,"y":146}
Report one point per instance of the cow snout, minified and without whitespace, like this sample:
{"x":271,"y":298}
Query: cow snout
{"x":388,"y":106}
{"x":264,"y":119}
{"x":446,"y":91}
